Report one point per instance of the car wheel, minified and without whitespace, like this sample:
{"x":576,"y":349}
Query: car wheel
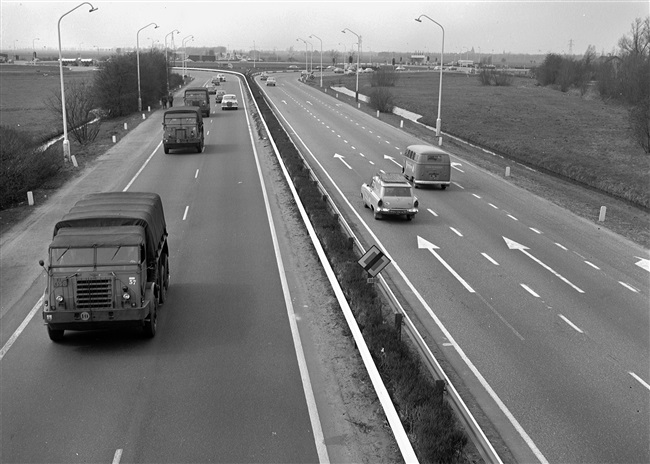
{"x":56,"y":335}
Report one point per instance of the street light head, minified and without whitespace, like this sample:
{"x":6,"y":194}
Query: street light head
{"x":93,"y":9}
{"x":157,"y":26}
{"x":343,"y":31}
{"x":418,"y":20}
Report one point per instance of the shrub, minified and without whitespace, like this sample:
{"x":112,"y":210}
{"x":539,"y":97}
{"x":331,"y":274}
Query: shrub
{"x":384,"y":77}
{"x":381,"y":99}
{"x":23,"y":167}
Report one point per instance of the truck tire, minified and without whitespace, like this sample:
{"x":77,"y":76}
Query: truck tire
{"x":164,"y":282}
{"x":56,"y":335}
{"x":151,"y":321}
{"x":166,"y":149}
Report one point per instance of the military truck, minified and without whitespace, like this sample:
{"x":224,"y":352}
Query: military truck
{"x":182,"y":128}
{"x":108,"y":264}
{"x":198,"y":96}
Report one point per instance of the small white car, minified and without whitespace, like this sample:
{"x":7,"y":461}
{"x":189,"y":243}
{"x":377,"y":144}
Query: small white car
{"x":221,"y":77}
{"x":270,"y":81}
{"x":229,"y":102}
{"x":389,"y":194}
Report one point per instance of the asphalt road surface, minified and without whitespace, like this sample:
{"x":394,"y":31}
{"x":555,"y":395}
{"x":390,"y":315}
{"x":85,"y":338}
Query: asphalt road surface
{"x":543,"y":315}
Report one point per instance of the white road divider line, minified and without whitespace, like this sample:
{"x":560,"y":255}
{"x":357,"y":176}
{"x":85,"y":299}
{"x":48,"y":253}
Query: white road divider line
{"x":639,"y":379}
{"x":529,"y":290}
{"x":490,"y":259}
{"x":629,"y":287}
{"x":187,"y":208}
{"x":573,"y":326}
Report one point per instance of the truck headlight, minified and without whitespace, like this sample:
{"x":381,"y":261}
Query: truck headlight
{"x":59,"y":299}
{"x":126,"y":297}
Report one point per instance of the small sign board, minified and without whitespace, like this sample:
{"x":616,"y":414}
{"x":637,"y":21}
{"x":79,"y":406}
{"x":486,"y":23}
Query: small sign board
{"x":374,"y":261}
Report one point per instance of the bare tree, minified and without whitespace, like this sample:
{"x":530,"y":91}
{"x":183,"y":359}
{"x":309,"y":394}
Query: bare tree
{"x":81,"y":113}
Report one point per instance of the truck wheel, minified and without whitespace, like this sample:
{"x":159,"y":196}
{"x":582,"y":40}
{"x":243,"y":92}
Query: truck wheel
{"x":443,"y":187}
{"x":56,"y":335}
{"x":164,"y":281}
{"x":377,"y":214}
{"x":151,"y":322}
{"x":166,"y":150}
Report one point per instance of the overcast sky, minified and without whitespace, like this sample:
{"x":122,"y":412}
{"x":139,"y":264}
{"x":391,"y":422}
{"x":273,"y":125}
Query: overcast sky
{"x":487,"y":26}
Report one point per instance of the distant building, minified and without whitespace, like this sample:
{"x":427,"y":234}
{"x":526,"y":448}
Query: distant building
{"x":466,"y":63}
{"x":418,"y":58}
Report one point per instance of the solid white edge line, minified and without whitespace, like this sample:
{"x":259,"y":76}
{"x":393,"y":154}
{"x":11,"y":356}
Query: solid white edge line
{"x":118,"y":456}
{"x":319,"y":439}
{"x":142,"y":167}
{"x":529,"y":290}
{"x":639,"y":379}
{"x":504,"y":409}
{"x":21,"y":327}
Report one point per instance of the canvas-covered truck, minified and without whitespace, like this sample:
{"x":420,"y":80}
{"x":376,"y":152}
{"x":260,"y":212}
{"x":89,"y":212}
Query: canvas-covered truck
{"x":108,"y":264}
{"x":198,"y":96}
{"x":182,"y":128}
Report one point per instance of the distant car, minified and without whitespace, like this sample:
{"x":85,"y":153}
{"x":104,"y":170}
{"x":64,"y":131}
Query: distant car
{"x":221,"y":77}
{"x":330,"y":67}
{"x":271,"y":81}
{"x":212,"y":89}
{"x":229,"y":102}
{"x":292,"y":67}
{"x":349,"y":72}
{"x":400,"y":68}
{"x":338,"y":71}
{"x":389,"y":194}
{"x":264,"y":76}
{"x":368,"y":70}
{"x":220,"y":94}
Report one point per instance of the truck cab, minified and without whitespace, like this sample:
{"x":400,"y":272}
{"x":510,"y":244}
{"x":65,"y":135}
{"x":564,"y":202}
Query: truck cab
{"x":200,"y":97}
{"x":183,"y":128}
{"x":108,"y":264}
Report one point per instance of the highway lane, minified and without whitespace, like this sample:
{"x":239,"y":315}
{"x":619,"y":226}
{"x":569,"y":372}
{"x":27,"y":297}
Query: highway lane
{"x":558,"y":329}
{"x":219,"y":382}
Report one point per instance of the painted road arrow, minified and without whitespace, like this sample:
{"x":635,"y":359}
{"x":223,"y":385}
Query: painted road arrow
{"x":336,"y":155}
{"x":422,"y":243}
{"x":518,"y":246}
{"x":392,"y":159}
{"x":643,"y":263}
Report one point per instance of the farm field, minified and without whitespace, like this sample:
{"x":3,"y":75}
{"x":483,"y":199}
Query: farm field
{"x":580,"y":138}
{"x":24,"y":91}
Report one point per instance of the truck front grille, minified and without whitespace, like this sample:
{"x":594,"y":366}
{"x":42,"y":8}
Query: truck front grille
{"x":94,"y":293}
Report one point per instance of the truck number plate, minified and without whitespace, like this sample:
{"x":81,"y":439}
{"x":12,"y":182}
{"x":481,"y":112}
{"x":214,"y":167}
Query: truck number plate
{"x":60,"y":282}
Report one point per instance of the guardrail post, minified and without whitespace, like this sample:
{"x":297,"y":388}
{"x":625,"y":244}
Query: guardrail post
{"x":399,"y":319}
{"x":603,"y":211}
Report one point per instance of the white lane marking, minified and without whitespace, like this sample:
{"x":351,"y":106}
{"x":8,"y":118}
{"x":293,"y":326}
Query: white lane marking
{"x":512,"y":217}
{"x":456,"y":232}
{"x":21,"y":327}
{"x":187,"y":208}
{"x":345,"y":141}
{"x":489,"y":258}
{"x":422,"y":243}
{"x":639,"y":379}
{"x":117,"y":457}
{"x":575,"y":327}
{"x":341,"y":158}
{"x":562,"y":246}
{"x":529,"y":290}
{"x":362,"y":154}
{"x":142,"y":167}
{"x":196,"y":175}
{"x":592,"y":265}
{"x":317,"y":431}
{"x":432,"y":212}
{"x":518,"y":246}
{"x":535,"y":230}
{"x":629,"y":287}
{"x":351,"y":146}
{"x":493,"y":206}
{"x":208,"y":132}
{"x":458,"y":185}
{"x":475,"y":195}
{"x":371,"y":162}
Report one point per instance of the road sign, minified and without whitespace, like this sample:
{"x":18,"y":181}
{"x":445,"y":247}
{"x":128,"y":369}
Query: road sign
{"x":374,"y":261}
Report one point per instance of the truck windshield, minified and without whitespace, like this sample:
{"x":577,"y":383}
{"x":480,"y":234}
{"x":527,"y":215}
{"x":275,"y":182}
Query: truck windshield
{"x":195,"y":95}
{"x":180,"y":120}
{"x":86,"y":256}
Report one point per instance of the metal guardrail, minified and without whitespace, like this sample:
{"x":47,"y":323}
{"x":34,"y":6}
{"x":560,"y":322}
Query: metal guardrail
{"x":472,"y":428}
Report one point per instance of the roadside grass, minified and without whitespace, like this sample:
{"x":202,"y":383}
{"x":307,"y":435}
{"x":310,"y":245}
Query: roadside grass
{"x":580,"y":138}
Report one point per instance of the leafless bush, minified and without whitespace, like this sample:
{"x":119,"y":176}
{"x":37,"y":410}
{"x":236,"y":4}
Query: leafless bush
{"x":384,"y":77}
{"x":382,"y":99}
{"x":80,"y":110}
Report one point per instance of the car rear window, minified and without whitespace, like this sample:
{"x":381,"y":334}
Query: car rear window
{"x":397,"y":191}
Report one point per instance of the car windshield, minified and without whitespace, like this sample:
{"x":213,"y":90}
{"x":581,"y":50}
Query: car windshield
{"x":397,"y":191}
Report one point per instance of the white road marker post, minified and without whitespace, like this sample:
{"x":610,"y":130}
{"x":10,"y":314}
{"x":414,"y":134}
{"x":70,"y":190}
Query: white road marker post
{"x":603,"y":211}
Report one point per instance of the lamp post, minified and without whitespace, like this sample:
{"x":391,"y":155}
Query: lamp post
{"x":254,"y":53}
{"x":34,"y":51}
{"x":166,"y":59}
{"x":305,"y":53}
{"x":356,"y":97}
{"x":66,"y":142}
{"x":137,"y":44}
{"x":321,"y":57}
{"x":442,"y":53}
{"x":189,"y":37}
